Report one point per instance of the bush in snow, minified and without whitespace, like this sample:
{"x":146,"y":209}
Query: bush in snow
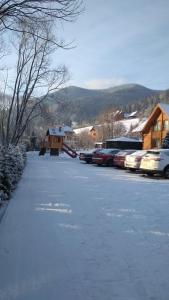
{"x":12,"y":162}
{"x":2,"y":172}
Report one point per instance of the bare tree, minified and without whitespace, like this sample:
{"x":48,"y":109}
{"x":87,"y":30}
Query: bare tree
{"x":33,"y":73}
{"x":84,"y":141}
{"x":33,"y":22}
{"x":110,"y":130}
{"x":118,"y":129}
{"x":14,"y":12}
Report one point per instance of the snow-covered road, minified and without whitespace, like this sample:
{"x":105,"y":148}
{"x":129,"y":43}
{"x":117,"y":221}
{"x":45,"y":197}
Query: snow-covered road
{"x":80,"y":232}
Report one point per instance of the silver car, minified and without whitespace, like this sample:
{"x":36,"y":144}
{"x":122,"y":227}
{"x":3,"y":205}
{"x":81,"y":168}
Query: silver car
{"x":156,"y":162}
{"x":132,"y":161}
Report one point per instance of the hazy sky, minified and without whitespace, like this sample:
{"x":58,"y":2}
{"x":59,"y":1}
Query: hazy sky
{"x":119,"y":41}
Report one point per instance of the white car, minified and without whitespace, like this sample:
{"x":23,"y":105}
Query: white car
{"x":156,"y":162}
{"x":132,"y":161}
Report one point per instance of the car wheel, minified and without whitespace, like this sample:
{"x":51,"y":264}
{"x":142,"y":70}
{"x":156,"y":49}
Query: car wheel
{"x":149,"y":174}
{"x":109,"y":163}
{"x":166,"y":172}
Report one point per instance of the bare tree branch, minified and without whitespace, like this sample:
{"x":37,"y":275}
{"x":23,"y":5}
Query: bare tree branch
{"x":33,"y":22}
{"x":33,"y":71}
{"x":36,"y":12}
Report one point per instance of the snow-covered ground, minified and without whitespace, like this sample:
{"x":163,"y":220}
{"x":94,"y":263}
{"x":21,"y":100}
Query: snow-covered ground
{"x":74,"y":231}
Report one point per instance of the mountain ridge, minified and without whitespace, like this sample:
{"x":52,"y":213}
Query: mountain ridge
{"x":79,"y":104}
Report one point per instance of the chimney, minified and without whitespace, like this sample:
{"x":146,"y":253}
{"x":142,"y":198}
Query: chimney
{"x":60,"y":128}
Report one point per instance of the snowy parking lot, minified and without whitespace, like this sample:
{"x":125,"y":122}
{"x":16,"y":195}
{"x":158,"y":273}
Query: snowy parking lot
{"x":74,"y":231}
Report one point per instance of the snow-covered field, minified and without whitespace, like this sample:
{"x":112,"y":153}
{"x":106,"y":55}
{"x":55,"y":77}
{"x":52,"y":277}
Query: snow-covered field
{"x":74,"y":231}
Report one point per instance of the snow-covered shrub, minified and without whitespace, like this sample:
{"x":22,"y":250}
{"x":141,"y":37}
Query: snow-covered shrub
{"x":12,"y":161}
{"x":3,"y":188}
{"x":23,"y":151}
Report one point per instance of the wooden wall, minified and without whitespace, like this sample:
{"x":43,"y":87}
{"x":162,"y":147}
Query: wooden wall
{"x":55,"y":142}
{"x":153,"y":138}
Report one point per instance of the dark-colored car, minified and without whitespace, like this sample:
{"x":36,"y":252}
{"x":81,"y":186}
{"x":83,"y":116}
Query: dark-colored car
{"x":87,"y":156}
{"x":119,"y":158}
{"x":105,"y":157}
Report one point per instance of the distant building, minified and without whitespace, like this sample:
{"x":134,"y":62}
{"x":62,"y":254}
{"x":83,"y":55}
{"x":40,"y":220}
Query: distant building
{"x":57,"y":139}
{"x":156,"y":127}
{"x":89,"y":130}
{"x":54,"y":140}
{"x":132,"y":115}
{"x":117,"y":115}
{"x":123,"y":143}
{"x":69,"y":135}
{"x":137,"y":131}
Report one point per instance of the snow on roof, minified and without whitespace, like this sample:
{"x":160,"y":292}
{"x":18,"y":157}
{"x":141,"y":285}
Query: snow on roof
{"x":99,"y":143}
{"x":126,"y":123}
{"x":129,"y":123}
{"x":140,"y":126}
{"x":129,"y":115}
{"x":122,"y":139}
{"x":133,"y":113}
{"x":83,"y":129}
{"x":165,"y":107}
{"x":117,"y":112}
{"x":67,"y":129}
{"x":56,"y":131}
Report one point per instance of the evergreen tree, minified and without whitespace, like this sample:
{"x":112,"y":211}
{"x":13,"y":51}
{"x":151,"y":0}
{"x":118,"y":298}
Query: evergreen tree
{"x":165,"y":144}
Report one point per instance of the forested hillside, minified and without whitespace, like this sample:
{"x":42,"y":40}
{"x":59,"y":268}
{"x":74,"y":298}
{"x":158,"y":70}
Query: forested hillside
{"x":78,"y":104}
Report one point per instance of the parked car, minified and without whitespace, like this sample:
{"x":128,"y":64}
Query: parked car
{"x":105,"y":157}
{"x":119,"y":158}
{"x":132,"y":161}
{"x":87,"y":156}
{"x":156,"y":162}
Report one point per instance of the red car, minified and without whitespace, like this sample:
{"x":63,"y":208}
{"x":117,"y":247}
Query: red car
{"x":87,"y":156}
{"x":104,"y":157}
{"x":119,"y":158}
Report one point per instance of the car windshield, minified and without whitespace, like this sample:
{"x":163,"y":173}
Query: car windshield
{"x":139,"y":153}
{"x":107,"y":151}
{"x":156,"y":153}
{"x":121,"y":153}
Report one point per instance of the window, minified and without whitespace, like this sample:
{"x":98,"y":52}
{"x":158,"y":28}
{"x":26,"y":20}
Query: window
{"x":156,"y":143}
{"x":157,"y":126}
{"x":166,"y":125}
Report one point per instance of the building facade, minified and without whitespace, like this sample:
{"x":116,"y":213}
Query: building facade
{"x":156,"y":127}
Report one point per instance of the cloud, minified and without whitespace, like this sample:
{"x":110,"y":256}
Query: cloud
{"x":104,"y":83}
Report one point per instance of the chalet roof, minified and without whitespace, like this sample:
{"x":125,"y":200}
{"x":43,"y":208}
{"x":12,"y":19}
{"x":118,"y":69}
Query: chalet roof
{"x":134,"y":113}
{"x":56,"y":131}
{"x":122,"y":139}
{"x":130,"y":115}
{"x":160,"y":106}
{"x":140,"y":127}
{"x":165,"y":108}
{"x":128,"y":123}
{"x":67,"y":129}
{"x":83,"y":129}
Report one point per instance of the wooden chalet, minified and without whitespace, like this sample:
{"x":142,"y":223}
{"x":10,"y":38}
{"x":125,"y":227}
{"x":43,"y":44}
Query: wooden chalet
{"x":89,"y":130}
{"x":54,"y":139}
{"x":156,"y":127}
